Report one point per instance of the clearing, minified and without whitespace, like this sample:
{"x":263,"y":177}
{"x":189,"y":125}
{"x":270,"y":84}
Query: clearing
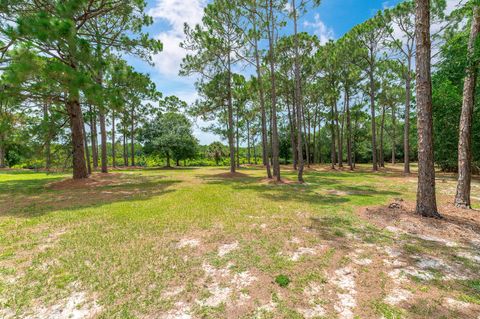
{"x":199,"y":243}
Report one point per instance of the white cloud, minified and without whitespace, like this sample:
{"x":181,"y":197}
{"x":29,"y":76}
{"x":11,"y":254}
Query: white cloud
{"x":323,"y":32}
{"x":175,"y":13}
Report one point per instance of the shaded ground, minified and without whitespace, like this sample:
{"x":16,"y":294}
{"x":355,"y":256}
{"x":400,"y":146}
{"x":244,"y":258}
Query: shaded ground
{"x":202,"y":243}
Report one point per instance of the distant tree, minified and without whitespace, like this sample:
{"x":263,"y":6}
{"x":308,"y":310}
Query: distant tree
{"x":169,"y":135}
{"x":216,"y":151}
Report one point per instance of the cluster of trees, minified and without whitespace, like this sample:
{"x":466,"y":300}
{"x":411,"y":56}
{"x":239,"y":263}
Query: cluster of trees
{"x":63,"y":69}
{"x":345,"y":98}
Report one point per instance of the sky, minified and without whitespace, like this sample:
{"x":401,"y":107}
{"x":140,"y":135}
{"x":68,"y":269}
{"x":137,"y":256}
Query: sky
{"x":331,"y":20}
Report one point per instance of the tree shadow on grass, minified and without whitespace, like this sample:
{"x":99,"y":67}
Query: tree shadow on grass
{"x":34,"y":197}
{"x":334,"y":192}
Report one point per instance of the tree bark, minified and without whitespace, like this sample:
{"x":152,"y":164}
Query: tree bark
{"x":237,"y":139}
{"x":48,"y":137}
{"x":426,"y":199}
{"x":76,"y":125}
{"x":248,"y":143}
{"x":339,"y":138}
{"x":2,"y":153}
{"x":462,"y":197}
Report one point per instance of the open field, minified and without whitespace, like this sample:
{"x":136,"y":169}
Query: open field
{"x":200,"y":243}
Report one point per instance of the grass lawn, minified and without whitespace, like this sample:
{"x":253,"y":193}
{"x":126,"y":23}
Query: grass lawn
{"x":199,"y":243}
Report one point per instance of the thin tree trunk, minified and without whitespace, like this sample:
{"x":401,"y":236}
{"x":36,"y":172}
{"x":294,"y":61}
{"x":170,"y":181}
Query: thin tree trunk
{"x":87,"y":152}
{"x":48,"y":137}
{"x":462,"y":197}
{"x":349,"y":130}
{"x":125,"y":148}
{"x":93,"y":137}
{"x":406,"y":133}
{"x":332,"y":133}
{"x":168,"y":159}
{"x":237,"y":139}
{"x":114,"y":162}
{"x":339,"y":138}
{"x":103,"y":134}
{"x":298,"y":95}
{"x":76,"y":125}
{"x":132,"y":138}
{"x":230,"y":117}
{"x":426,"y":199}
{"x":394,"y":133}
{"x":2,"y":154}
{"x":292,"y":134}
{"x":248,"y":143}
{"x":315,"y":148}
{"x":382,"y":129}
{"x":372,"y":111}
{"x":275,"y":141}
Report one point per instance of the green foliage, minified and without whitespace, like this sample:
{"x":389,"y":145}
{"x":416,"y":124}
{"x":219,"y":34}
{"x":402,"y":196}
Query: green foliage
{"x":282,"y":280}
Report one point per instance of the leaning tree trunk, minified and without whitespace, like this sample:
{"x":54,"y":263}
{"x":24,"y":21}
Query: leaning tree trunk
{"x":426,"y":199}
{"x":462,"y":197}
{"x":76,"y":126}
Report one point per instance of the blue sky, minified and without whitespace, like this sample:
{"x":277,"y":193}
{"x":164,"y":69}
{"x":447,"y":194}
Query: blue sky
{"x":330,"y":20}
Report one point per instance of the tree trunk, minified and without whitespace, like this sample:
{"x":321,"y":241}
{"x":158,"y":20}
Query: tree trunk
{"x":93,"y":136}
{"x":298,"y":95}
{"x":275,"y":141}
{"x":406,"y":133}
{"x":125,"y":148}
{"x":103,"y":134}
{"x":237,"y":139}
{"x":76,"y":125}
{"x":332,"y":133}
{"x":293,"y":131}
{"x":426,"y":199}
{"x":2,"y":153}
{"x":248,"y":143}
{"x":372,"y":111}
{"x":382,"y":129}
{"x":230,"y":118}
{"x":114,"y":162}
{"x":349,"y":130}
{"x":339,"y":138}
{"x":168,"y":159}
{"x":462,"y":197}
{"x":262,"y":109}
{"x":394,"y":133}
{"x":87,"y":152}
{"x":48,"y":137}
{"x":132,"y":137}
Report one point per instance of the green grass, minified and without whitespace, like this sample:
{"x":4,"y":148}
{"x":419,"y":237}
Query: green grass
{"x":118,"y":241}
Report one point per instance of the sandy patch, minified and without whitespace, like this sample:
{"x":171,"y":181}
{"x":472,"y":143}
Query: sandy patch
{"x":181,"y":310}
{"x":344,"y":279}
{"x":227,"y":248}
{"x":76,"y":306}
{"x":188,"y":242}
